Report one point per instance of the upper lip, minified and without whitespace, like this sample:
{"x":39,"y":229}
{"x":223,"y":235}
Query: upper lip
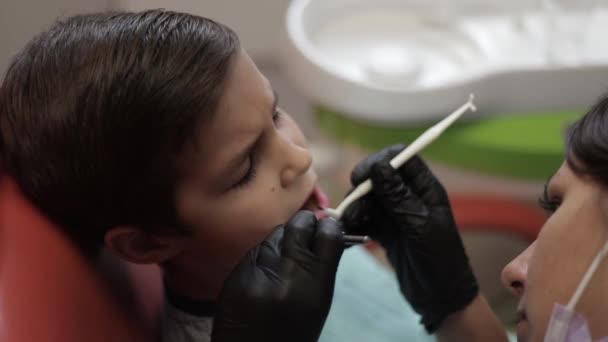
{"x":307,"y":199}
{"x":310,"y":193}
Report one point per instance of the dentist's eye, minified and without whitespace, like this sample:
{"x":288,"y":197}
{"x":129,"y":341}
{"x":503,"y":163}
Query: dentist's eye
{"x":550,"y":205}
{"x":276,"y":116}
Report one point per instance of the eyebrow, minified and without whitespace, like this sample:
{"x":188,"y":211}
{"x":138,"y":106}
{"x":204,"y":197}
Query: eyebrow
{"x":242,"y":156}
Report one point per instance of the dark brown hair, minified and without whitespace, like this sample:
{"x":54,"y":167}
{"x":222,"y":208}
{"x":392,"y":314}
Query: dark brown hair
{"x":97,"y":110}
{"x":587,"y":142}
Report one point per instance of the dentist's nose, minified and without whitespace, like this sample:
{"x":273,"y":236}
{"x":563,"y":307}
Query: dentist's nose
{"x":515,"y":274}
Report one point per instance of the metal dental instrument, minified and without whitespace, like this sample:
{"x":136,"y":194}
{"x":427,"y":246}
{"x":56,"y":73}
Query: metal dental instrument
{"x":423,"y":140}
{"x":350,"y":240}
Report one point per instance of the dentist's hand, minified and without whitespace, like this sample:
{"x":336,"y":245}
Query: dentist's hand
{"x":409,"y":213}
{"x":283,"y":288}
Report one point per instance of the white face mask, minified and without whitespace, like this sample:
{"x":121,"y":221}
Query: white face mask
{"x":565,"y":324}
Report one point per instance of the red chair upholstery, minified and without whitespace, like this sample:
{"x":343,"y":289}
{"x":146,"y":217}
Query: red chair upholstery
{"x":49,"y":292}
{"x":495,"y":214}
{"x":483,"y":213}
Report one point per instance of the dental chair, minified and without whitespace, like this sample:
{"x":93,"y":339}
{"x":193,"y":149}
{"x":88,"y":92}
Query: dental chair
{"x":49,"y":292}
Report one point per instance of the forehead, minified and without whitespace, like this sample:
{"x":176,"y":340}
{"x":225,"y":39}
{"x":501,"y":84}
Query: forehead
{"x":243,"y":110}
{"x":566,"y":177}
{"x":245,"y":89}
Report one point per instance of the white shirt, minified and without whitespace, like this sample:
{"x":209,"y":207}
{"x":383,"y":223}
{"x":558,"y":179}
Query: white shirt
{"x":186,"y":323}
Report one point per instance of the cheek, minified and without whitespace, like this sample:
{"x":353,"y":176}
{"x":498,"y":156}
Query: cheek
{"x":291,"y":130}
{"x":547,"y":279}
{"x":238,"y":223}
{"x":594,"y":302}
{"x":564,"y":249}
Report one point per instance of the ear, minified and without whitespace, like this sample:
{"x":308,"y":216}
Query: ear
{"x":137,"y":246}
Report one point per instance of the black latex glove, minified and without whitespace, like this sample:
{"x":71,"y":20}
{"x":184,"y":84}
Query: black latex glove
{"x":283,"y":288}
{"x":409,"y":213}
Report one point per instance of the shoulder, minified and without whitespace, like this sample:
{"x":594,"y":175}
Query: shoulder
{"x":180,"y":326}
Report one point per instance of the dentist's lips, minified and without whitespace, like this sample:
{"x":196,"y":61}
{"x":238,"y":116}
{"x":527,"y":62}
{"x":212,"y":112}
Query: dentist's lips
{"x":316,"y":202}
{"x":522,"y":325}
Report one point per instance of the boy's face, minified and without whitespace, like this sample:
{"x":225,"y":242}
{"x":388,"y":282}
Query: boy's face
{"x":250,"y":172}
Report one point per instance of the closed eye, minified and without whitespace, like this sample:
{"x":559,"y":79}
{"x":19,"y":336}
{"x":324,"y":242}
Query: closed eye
{"x":251,"y":170}
{"x":248,"y":177}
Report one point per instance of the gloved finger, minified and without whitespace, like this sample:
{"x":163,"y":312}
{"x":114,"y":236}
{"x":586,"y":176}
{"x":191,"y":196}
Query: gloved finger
{"x":357,"y":218}
{"x":423,"y":182}
{"x":361,"y":171}
{"x":300,"y":231}
{"x":268,"y":253}
{"x":328,"y":243}
{"x":398,"y":200}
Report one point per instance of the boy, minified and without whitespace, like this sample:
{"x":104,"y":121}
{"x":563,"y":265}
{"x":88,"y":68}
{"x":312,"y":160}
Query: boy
{"x":155,"y":135}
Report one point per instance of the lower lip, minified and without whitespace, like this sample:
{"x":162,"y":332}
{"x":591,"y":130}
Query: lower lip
{"x":522,"y":330}
{"x":320,"y":214}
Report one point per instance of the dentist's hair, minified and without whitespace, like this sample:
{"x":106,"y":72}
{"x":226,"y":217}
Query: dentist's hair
{"x":587,"y":142}
{"x":97,"y":111}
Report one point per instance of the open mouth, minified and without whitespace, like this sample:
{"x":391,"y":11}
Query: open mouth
{"x":521,"y":316}
{"x":316,"y":202}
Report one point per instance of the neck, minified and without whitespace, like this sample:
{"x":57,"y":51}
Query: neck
{"x":193,"y":280}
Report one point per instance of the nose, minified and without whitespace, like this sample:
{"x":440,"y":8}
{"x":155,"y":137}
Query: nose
{"x":297,"y":160}
{"x":514,"y":275}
